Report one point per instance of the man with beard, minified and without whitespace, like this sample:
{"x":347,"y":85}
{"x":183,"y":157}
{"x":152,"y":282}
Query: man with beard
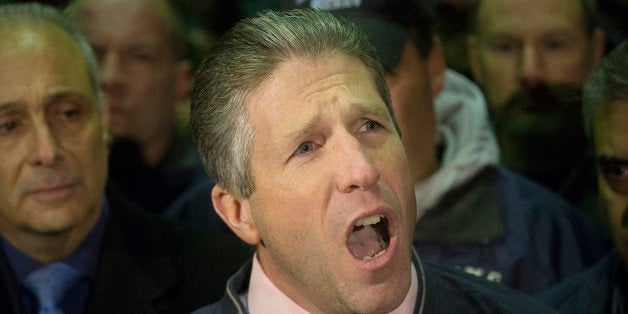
{"x":604,"y":287}
{"x":531,"y":59}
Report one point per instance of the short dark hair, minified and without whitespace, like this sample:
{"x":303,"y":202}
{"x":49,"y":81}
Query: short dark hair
{"x":423,"y":35}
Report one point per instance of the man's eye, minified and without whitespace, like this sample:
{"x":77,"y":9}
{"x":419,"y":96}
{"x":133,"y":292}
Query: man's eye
{"x":304,"y":148}
{"x":71,"y":113}
{"x":504,"y":46}
{"x":370,"y":125}
{"x":613,"y":167}
{"x":615,"y":172}
{"x":142,"y":56}
{"x":7,"y":127}
{"x":554,"y":44}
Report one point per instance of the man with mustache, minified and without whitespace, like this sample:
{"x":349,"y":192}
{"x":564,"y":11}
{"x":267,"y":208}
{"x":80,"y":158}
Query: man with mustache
{"x":66,"y":243}
{"x":531,"y":59}
{"x":604,"y":287}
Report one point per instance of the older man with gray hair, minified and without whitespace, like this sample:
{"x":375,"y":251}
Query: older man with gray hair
{"x":66,"y":245}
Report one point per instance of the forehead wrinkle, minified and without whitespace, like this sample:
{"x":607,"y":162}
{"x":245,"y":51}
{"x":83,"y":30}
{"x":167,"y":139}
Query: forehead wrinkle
{"x":50,"y":98}
{"x":65,"y":94}
{"x":319,"y":94}
{"x":355,"y":108}
{"x":308,"y":128}
{"x":330,"y":90}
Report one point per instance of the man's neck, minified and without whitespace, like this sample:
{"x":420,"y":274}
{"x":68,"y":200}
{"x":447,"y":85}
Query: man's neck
{"x":155,"y":151}
{"x":261,"y":289}
{"x":50,"y":247}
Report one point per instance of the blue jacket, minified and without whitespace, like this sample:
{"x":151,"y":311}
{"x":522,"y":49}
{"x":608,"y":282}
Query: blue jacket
{"x":505,"y":228}
{"x":596,"y":290}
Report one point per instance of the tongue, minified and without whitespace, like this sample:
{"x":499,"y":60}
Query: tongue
{"x":365,"y":242}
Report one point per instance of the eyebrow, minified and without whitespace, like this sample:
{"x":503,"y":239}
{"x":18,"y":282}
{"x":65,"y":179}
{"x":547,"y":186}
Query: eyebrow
{"x":50,"y":99}
{"x":606,"y":158}
{"x":5,"y":106}
{"x":359,"y":108}
{"x":67,"y":95}
{"x":306,"y":129}
{"x":372,"y":109}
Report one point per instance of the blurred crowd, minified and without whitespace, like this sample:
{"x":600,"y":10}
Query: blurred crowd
{"x":510,"y":117}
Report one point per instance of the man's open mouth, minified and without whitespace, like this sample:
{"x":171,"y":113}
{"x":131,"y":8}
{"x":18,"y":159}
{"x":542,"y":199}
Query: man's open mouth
{"x":370,"y":237}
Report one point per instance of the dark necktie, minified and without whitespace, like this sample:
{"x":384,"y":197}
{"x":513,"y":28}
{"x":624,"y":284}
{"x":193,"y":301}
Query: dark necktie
{"x":50,"y":283}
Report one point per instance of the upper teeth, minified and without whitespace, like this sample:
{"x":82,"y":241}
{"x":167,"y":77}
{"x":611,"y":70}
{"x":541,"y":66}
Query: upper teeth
{"x":370,"y":220}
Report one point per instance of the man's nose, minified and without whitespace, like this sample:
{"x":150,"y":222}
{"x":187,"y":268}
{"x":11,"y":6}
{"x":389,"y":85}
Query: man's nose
{"x":46,"y":149}
{"x":112,"y":71}
{"x":531,"y":67}
{"x":356,"y":164}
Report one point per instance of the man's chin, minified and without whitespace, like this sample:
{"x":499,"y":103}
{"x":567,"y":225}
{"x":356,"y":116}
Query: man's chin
{"x":383,"y":301}
{"x":551,"y":112}
{"x":382,"y":297}
{"x":533,"y":127}
{"x":52,"y":227}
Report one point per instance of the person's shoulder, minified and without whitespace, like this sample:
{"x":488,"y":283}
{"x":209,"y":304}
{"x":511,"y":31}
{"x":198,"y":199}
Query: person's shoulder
{"x":203,"y":261}
{"x":458,"y":86}
{"x":216,"y":308}
{"x":552,"y":219}
{"x":531,"y":192}
{"x":453,"y":291}
{"x":230,"y":301}
{"x":545,"y":209}
{"x":588,"y":291}
{"x":209,"y":309}
{"x":192,"y":249}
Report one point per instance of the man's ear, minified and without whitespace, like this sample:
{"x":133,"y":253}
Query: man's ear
{"x":436,"y":66}
{"x":474,"y":58}
{"x":599,"y":45}
{"x":184,"y":80}
{"x":105,"y":121}
{"x":236,"y":213}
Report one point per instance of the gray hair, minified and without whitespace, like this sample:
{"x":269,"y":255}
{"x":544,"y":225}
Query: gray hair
{"x":35,"y":14}
{"x":607,"y":84}
{"x":241,"y":61}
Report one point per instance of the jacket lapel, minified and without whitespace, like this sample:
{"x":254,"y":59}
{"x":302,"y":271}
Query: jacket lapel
{"x":134,"y":271}
{"x":9,"y":300}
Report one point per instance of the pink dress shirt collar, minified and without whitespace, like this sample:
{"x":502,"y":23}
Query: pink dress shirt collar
{"x":264,"y":297}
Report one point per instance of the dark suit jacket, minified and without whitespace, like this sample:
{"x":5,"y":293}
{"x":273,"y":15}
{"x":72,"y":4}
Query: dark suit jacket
{"x":150,"y":266}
